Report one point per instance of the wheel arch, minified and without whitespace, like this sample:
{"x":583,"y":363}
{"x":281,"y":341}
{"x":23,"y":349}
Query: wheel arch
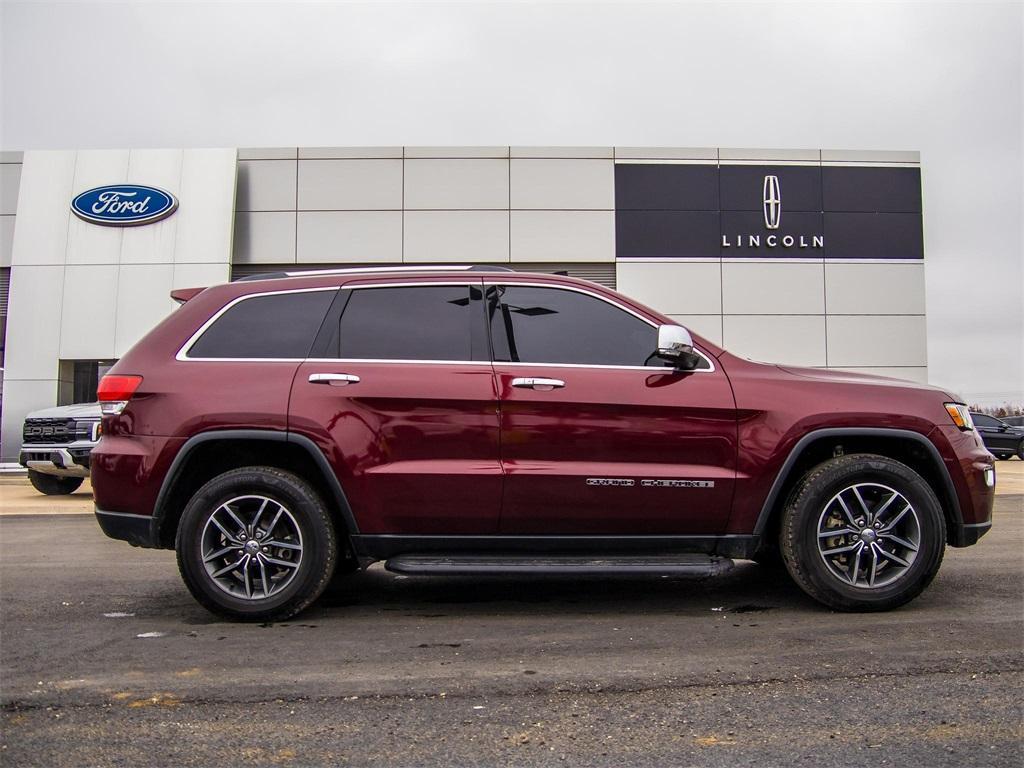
{"x":911,"y":448}
{"x":208,"y":454}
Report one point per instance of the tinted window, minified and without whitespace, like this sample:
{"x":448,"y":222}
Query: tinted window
{"x":279,"y":326}
{"x":981,"y":420}
{"x":549,"y":325}
{"x":413,"y":323}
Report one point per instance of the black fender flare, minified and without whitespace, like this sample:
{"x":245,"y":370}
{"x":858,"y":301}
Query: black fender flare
{"x":903,"y":434}
{"x":340,"y":500}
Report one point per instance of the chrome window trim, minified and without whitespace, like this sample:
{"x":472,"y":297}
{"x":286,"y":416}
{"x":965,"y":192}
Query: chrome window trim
{"x":599,"y":297}
{"x":183,"y":356}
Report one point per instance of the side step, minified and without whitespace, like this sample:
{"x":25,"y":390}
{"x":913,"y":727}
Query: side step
{"x":575,"y":565}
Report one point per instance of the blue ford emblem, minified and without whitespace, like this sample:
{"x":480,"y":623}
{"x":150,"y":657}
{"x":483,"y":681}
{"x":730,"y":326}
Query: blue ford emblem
{"x":124,"y":205}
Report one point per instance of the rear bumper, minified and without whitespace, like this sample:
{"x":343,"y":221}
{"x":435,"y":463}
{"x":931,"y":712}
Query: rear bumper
{"x":137,"y":530}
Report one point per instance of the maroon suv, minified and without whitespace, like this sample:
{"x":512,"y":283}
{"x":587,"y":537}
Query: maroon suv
{"x":278,"y":431}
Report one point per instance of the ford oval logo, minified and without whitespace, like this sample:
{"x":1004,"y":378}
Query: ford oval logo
{"x":124,"y":205}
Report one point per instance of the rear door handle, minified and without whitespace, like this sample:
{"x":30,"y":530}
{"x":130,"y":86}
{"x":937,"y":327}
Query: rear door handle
{"x":543,"y":385}
{"x":333,"y":379}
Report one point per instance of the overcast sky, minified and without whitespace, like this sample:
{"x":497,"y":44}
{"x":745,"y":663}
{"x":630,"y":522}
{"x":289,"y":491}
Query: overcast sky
{"x":945,"y":79}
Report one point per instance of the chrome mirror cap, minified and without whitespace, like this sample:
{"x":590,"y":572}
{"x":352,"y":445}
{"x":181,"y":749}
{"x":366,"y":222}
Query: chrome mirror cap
{"x":674,"y":341}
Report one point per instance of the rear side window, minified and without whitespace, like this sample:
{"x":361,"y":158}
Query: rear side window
{"x":278,"y":326}
{"x":551,"y":325}
{"x":408,"y":323}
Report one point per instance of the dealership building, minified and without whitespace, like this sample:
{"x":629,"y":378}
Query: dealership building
{"x":807,"y":257}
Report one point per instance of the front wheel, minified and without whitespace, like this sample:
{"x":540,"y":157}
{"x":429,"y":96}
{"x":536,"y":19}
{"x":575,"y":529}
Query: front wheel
{"x":52,"y":485}
{"x":862,"y":533}
{"x":256,"y":543}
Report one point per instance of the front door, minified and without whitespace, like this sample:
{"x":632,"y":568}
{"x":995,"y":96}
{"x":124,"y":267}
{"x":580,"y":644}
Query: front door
{"x":597,"y":436}
{"x":401,"y":398}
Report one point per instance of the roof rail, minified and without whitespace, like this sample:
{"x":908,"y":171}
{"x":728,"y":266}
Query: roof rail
{"x":356,"y":270}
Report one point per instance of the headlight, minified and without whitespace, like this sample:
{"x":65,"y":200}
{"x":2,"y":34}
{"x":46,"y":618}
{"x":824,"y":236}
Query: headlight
{"x":960,"y":415}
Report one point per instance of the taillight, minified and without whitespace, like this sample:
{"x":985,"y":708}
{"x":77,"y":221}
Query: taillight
{"x":114,"y":392}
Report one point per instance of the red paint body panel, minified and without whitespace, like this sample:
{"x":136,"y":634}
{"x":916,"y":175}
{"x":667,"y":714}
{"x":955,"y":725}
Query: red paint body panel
{"x":616,"y":424}
{"x":415,"y":446}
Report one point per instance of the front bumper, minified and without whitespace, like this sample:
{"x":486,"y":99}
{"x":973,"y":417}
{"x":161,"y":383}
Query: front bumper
{"x":58,"y":460}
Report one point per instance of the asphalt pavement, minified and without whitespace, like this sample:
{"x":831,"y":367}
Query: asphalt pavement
{"x":105,"y":659}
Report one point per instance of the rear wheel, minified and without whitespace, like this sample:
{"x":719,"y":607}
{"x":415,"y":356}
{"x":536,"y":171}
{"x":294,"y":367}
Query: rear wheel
{"x":256,"y":543}
{"x":52,"y":485}
{"x":863,"y":533}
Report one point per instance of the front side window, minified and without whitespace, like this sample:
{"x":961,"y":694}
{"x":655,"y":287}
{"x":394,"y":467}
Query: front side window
{"x":277,"y":326}
{"x":409,"y":323}
{"x":981,"y":420}
{"x":533,"y":324}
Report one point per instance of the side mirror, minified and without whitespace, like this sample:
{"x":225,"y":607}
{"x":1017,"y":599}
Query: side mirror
{"x":676,"y":344}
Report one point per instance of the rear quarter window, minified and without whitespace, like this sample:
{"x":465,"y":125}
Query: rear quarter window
{"x":276,"y":326}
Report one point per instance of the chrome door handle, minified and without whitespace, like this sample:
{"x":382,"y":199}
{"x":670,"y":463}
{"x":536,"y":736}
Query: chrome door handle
{"x":543,"y":385}
{"x":333,"y":379}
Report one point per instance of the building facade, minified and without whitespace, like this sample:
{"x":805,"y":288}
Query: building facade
{"x":805,"y":257}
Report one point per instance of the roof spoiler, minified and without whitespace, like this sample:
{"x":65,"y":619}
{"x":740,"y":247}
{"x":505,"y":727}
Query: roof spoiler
{"x":181,"y":295}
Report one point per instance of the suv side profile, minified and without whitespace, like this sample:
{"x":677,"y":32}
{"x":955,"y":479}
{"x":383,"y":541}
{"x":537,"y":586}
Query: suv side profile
{"x":471,"y":421}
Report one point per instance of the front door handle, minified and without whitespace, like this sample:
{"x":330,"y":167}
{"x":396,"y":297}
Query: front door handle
{"x":543,"y":385}
{"x":333,"y":379}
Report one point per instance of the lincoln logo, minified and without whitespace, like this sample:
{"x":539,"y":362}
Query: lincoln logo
{"x":771,"y":198}
{"x":772,"y":202}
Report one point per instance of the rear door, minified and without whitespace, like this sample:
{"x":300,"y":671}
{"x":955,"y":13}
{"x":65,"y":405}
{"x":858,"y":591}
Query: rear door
{"x":400,"y":395}
{"x":598,"y":437}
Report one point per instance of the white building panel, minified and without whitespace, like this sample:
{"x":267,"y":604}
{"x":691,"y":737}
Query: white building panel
{"x":556,"y":236}
{"x":266,"y":185}
{"x":563,"y":184}
{"x":44,"y":208}
{"x":877,"y":340}
{"x":265,"y":237}
{"x":357,"y":237}
{"x":87,"y":319}
{"x":143,"y":300}
{"x":456,"y":236}
{"x":792,"y":339}
{"x":708,"y":326}
{"x":870,"y":289}
{"x":773,"y":288}
{"x":350,"y":185}
{"x":469,"y":184}
{"x":673,"y":287}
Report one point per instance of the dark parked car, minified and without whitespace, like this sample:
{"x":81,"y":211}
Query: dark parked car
{"x":476,"y":421}
{"x":1002,"y":440}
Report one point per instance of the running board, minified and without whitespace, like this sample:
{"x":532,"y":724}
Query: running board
{"x":577,"y":565}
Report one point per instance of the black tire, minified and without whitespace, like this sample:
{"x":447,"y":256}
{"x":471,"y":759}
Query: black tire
{"x":52,"y":485}
{"x":806,"y":510}
{"x":1020,"y":450}
{"x":307,"y":513}
{"x":1003,"y":456}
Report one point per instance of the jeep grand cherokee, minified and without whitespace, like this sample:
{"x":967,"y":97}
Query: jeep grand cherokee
{"x":476,"y":420}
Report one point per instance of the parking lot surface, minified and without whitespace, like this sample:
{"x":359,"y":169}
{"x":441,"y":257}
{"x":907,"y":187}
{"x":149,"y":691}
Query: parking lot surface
{"x":107,"y":660}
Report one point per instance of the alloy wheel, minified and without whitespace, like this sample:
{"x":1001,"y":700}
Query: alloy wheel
{"x":251,"y":547}
{"x":868,"y":535}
